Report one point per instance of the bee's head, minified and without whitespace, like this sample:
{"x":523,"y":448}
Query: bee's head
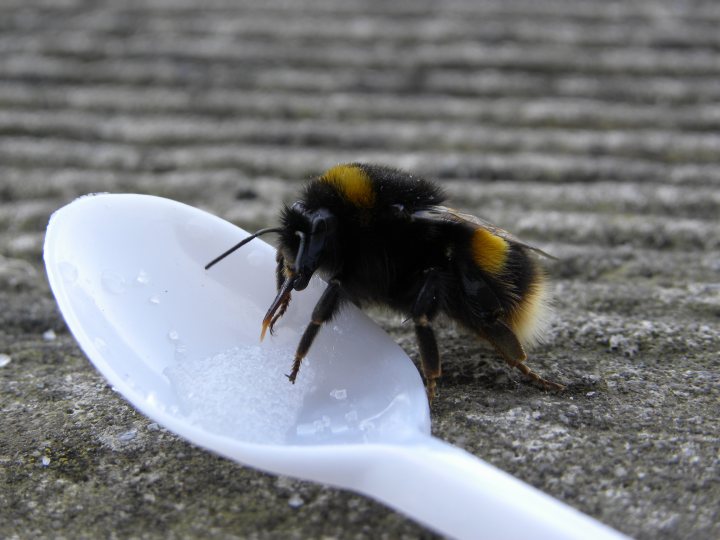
{"x":306,"y":239}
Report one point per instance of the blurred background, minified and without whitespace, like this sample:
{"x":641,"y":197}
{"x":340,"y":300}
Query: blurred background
{"x":589,"y":128}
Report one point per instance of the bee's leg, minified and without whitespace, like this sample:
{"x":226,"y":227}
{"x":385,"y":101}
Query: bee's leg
{"x":506,"y":343}
{"x":423,"y":311}
{"x":429,"y":354}
{"x":324,"y":310}
{"x":280,"y":276}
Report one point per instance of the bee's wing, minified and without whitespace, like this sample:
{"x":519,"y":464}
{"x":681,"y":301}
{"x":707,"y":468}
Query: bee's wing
{"x":443,"y":214}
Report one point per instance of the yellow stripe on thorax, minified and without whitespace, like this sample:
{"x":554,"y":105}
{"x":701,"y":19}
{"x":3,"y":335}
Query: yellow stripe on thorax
{"x":489,"y":251}
{"x":354,"y":184}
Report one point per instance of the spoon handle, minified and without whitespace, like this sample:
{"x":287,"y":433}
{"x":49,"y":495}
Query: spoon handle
{"x":459,"y":495}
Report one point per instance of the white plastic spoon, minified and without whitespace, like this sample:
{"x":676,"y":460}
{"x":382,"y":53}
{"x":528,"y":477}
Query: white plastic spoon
{"x":181,"y":344}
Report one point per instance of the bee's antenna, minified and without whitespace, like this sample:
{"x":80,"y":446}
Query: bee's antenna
{"x":241,"y":244}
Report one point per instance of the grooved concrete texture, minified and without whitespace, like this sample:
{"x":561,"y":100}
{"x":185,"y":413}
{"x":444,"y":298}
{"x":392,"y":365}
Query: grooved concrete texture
{"x":590,"y":128}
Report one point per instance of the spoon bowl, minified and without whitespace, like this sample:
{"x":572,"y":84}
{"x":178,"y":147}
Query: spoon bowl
{"x":182,"y":345}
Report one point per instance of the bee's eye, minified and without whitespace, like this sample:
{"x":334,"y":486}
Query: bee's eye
{"x":320,"y":226}
{"x":323,"y":222}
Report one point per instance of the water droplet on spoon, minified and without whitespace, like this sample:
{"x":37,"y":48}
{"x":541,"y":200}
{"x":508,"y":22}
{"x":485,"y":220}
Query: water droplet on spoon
{"x":113,"y":282}
{"x":339,"y":394}
{"x":143,"y":278}
{"x":180,"y":351}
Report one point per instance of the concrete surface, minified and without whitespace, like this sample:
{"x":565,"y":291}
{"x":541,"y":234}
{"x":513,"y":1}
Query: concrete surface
{"x":590,"y":128}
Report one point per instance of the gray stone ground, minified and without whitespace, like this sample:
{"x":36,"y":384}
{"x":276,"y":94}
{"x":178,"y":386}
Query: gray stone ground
{"x":590,"y":128}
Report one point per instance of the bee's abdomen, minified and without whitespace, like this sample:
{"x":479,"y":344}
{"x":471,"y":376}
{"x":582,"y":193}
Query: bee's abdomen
{"x":489,"y":252}
{"x":527,"y":305}
{"x":516,"y":280}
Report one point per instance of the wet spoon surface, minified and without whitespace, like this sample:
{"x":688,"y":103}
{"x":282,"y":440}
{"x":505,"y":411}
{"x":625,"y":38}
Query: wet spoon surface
{"x":181,"y":344}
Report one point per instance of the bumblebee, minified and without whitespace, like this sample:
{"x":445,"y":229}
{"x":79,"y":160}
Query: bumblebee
{"x":379,"y":235}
